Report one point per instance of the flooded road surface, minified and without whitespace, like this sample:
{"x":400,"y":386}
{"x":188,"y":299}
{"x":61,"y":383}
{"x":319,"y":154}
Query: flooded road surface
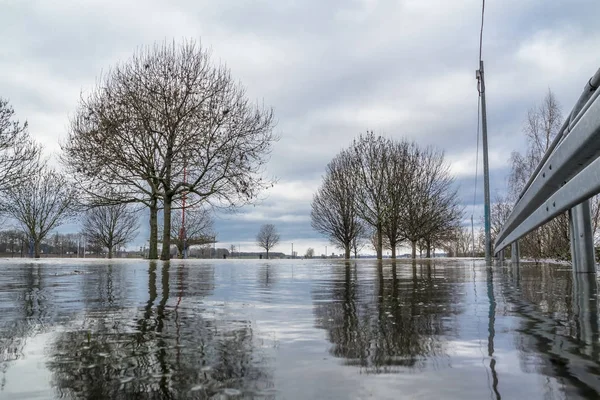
{"x":296,"y":329}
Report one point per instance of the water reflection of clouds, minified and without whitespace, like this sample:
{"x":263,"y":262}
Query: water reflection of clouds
{"x":28,"y":374}
{"x":326,"y":332}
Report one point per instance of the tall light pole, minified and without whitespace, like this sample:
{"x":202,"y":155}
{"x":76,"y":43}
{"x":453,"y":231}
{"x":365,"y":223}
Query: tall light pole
{"x":486,"y":167}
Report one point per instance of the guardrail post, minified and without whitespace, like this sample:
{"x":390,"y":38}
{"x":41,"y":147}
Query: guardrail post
{"x":514,"y":252}
{"x":585,"y":295}
{"x":582,"y":241}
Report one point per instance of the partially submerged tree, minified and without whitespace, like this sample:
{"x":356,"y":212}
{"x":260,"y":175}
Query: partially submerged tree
{"x":111,"y":226}
{"x":431,"y":208}
{"x":397,"y":174}
{"x":334,"y":212}
{"x":18,"y":152}
{"x":41,"y":203}
{"x":369,"y":155}
{"x":499,"y":212}
{"x":459,"y":243}
{"x":541,"y":127}
{"x":443,"y":211}
{"x":310,"y":253}
{"x":196,"y":230}
{"x":165,"y":124}
{"x":359,"y":242}
{"x":267,"y":237}
{"x":387,"y":191}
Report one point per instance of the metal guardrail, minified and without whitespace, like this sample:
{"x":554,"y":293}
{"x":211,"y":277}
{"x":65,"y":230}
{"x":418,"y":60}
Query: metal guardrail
{"x":567,"y":176}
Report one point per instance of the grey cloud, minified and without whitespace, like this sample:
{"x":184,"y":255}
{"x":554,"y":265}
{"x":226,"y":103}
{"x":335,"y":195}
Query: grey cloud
{"x":331,"y":70}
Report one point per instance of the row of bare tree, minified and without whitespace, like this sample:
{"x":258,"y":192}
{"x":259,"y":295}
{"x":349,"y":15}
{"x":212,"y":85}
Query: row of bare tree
{"x":39,"y":199}
{"x":32,"y":193}
{"x":166,"y":130}
{"x":392,"y":190}
{"x":15,"y":242}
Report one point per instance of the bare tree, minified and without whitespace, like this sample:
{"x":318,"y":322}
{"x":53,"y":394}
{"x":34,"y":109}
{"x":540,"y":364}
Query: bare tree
{"x":393,"y":189}
{"x":595,"y":210}
{"x":541,"y":127}
{"x":359,"y":242}
{"x":13,"y":241}
{"x":40,"y":204}
{"x":499,"y":212}
{"x":167,"y":124}
{"x":267,"y":237}
{"x":397,"y":176}
{"x":18,"y":152}
{"x":110,"y":226}
{"x":334,"y":211}
{"x":310,"y":253}
{"x":431,"y":208}
{"x":458,"y":244}
{"x":370,"y":154}
{"x":197,"y":229}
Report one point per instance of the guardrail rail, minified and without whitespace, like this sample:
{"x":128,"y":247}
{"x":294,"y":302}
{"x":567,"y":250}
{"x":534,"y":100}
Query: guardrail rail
{"x":565,"y":179}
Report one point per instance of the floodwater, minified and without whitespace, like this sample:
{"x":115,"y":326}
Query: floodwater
{"x":296,"y":329}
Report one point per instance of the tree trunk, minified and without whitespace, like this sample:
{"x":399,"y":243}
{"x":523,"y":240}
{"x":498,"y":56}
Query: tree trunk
{"x":428,"y":248}
{"x":110,"y":252}
{"x":393,"y":246}
{"x":153,"y":250}
{"x":36,"y":248}
{"x":379,"y":242}
{"x":414,"y":249}
{"x":267,"y":254}
{"x":347,"y":252}
{"x":166,"y":244}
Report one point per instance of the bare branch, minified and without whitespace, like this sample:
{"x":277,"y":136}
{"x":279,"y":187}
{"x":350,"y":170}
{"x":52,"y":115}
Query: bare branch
{"x":267,"y":237}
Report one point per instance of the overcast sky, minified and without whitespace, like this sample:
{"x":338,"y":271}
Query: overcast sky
{"x":331,"y":69}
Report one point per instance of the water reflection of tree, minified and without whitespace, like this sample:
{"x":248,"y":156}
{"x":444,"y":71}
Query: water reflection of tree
{"x":396,"y":320}
{"x":103,"y":287}
{"x":267,"y":276}
{"x":167,"y":349}
{"x":24,"y":312}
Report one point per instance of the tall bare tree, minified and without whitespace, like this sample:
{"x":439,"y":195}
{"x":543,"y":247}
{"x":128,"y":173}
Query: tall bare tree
{"x":359,"y":242}
{"x":432,"y":209}
{"x":198,"y":228}
{"x":458,"y":244}
{"x":442,"y":205}
{"x":111,"y":226}
{"x":334,"y":212}
{"x":18,"y":152}
{"x":370,"y":154}
{"x":541,"y":127}
{"x":40,"y":204}
{"x":267,"y":237}
{"x":397,"y":172}
{"x":168,"y":123}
